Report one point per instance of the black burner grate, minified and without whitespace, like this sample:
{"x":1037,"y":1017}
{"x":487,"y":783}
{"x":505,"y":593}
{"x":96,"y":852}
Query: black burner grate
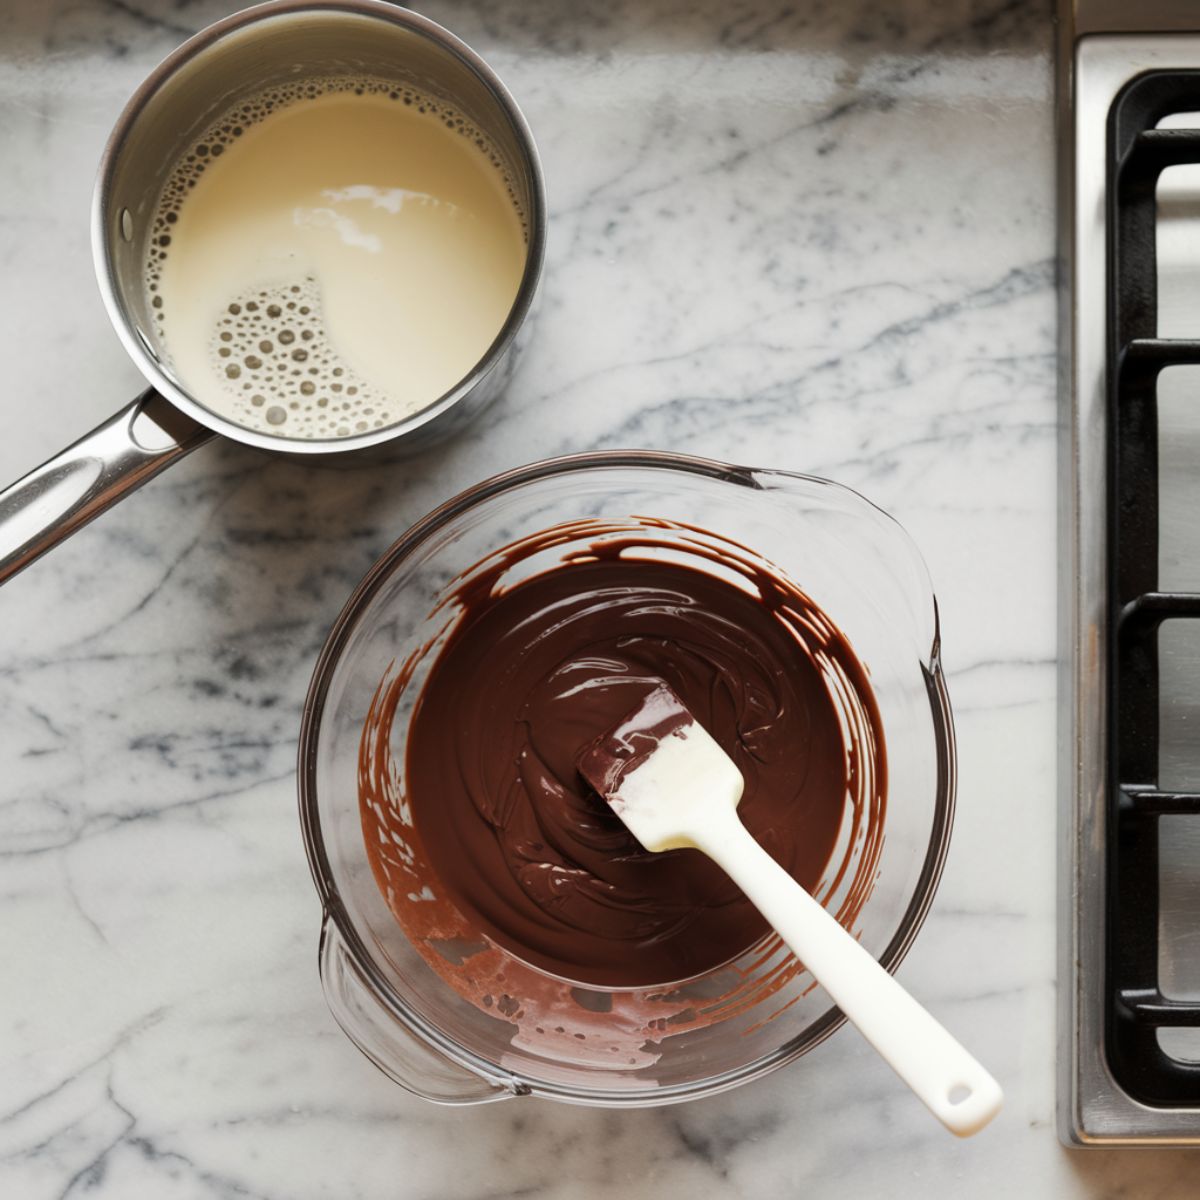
{"x":1135,"y":1008}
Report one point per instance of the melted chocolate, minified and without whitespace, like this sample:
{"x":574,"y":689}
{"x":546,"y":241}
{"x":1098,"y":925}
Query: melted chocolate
{"x":530,"y":855}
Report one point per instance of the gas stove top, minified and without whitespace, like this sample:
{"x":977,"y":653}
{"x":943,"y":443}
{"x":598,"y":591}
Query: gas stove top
{"x":1129,"y":977}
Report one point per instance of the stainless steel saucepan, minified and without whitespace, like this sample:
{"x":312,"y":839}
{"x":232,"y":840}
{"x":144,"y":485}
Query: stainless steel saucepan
{"x":208,"y":75}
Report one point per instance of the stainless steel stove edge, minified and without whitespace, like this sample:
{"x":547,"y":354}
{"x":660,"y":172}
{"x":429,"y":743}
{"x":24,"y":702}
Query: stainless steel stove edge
{"x":1097,"y":54}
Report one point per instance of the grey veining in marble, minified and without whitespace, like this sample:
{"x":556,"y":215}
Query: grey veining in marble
{"x":816,"y":236}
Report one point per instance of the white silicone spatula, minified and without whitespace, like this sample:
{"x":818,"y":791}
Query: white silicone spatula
{"x":673,"y":786}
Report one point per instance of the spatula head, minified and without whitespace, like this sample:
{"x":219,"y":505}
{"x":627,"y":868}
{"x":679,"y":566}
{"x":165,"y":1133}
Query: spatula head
{"x":662,"y":772}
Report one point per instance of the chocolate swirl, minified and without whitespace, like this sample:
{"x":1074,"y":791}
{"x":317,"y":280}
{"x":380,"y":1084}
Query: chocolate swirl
{"x":530,"y":674}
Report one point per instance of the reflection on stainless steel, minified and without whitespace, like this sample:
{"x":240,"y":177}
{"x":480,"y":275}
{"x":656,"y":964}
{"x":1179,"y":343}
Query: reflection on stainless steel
{"x":55,"y":499}
{"x":1178,"y":930}
{"x":1178,"y":460}
{"x":1093,"y":1107}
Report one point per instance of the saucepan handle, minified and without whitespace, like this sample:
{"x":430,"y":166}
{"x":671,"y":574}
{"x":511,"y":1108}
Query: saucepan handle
{"x":51,"y":502}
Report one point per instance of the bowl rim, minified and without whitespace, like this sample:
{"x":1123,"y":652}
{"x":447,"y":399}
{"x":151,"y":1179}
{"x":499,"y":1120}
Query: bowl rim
{"x":333,"y":909}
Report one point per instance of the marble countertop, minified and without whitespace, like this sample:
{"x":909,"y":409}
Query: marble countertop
{"x":814,"y":236}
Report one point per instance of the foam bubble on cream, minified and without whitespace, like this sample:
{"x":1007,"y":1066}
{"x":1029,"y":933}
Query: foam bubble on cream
{"x":361,"y":302}
{"x":270,"y":346}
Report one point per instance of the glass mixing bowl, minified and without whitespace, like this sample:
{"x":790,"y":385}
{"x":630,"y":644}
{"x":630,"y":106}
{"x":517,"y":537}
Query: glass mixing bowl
{"x":401,"y":999}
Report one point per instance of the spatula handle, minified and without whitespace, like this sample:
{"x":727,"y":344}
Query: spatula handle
{"x":952,"y":1084}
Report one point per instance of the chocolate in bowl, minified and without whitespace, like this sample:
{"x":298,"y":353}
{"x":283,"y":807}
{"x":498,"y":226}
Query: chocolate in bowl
{"x":506,"y":831}
{"x":446,"y":1009}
